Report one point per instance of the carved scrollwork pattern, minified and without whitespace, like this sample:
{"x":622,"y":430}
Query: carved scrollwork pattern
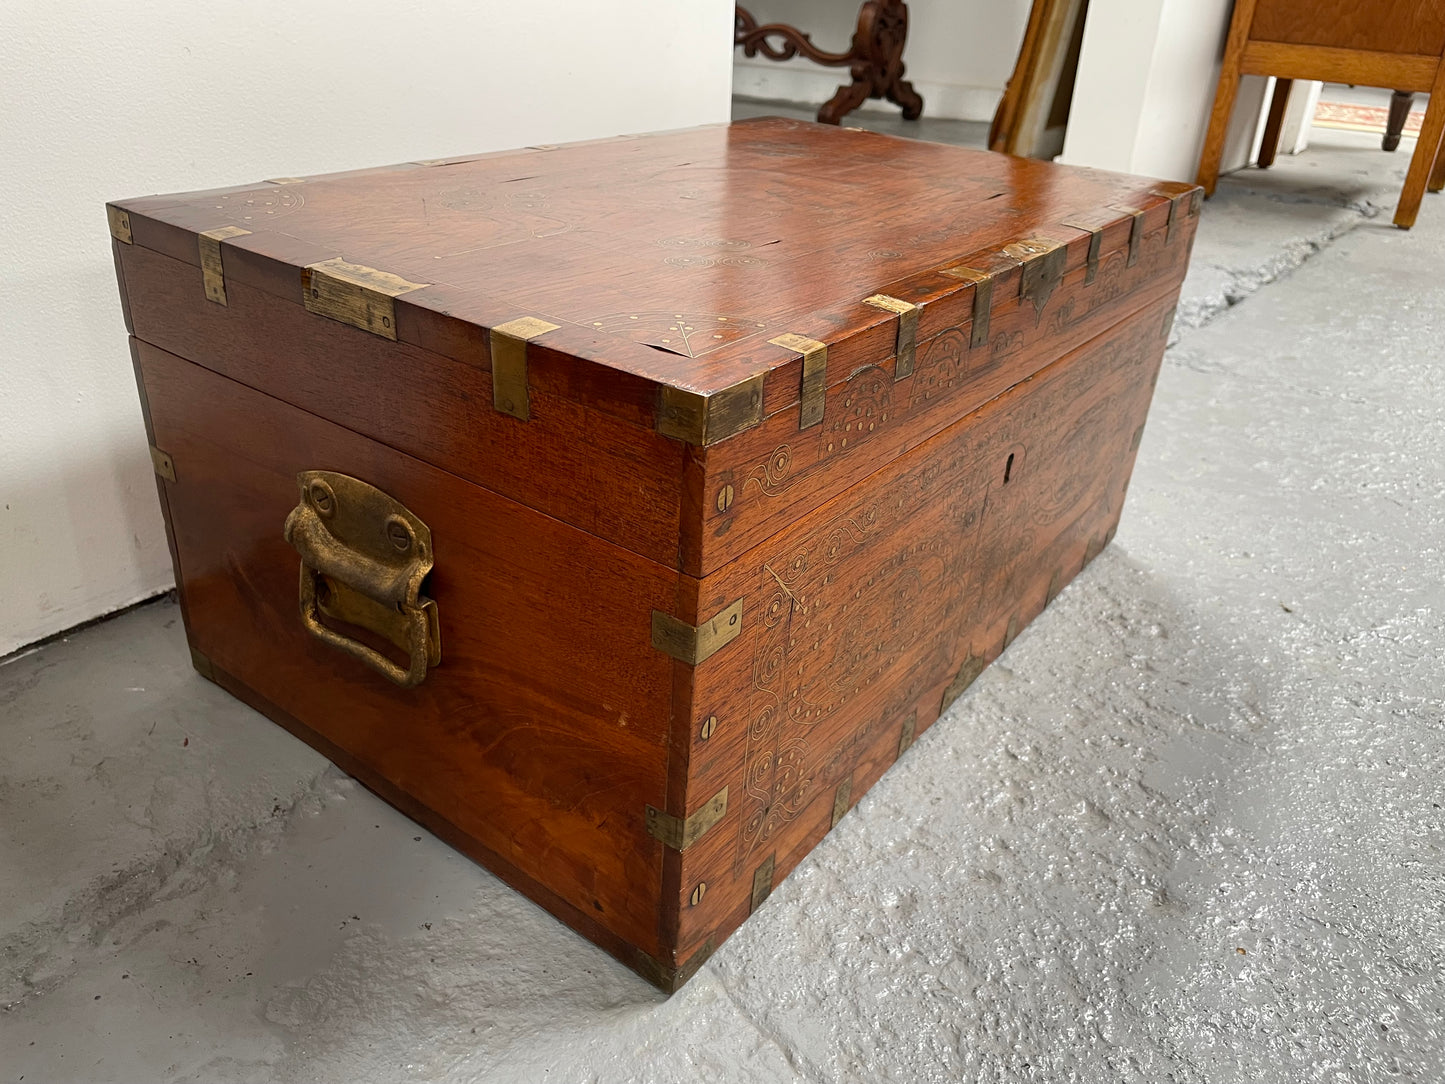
{"x":874,"y":58}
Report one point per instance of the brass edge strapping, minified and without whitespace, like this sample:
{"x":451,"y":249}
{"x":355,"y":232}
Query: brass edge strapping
{"x":1136,"y":233}
{"x":763,"y":882}
{"x":694,"y":644}
{"x":968,"y":672}
{"x":213,"y":270}
{"x":905,"y":345}
{"x":509,"y":341}
{"x":813,"y":392}
{"x":982,"y":300}
{"x":680,"y":833}
{"x":905,"y":737}
{"x":354,"y":294}
{"x":1043,"y":260}
{"x":842,"y":800}
{"x":119,"y":222}
{"x":702,"y":419}
{"x":163,"y":464}
{"x":1093,"y":224}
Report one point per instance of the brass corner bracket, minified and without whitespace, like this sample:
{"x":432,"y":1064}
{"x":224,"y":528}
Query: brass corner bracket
{"x":693,"y":644}
{"x":680,"y":833}
{"x":702,"y":418}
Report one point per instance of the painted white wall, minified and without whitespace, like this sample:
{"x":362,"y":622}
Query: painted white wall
{"x":960,"y":53}
{"x":103,"y":100}
{"x":1142,"y":97}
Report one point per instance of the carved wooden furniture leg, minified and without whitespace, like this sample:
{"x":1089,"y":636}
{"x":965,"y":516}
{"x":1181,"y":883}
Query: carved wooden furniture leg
{"x":1274,"y":123}
{"x":1399,"y":112}
{"x":874,"y":59}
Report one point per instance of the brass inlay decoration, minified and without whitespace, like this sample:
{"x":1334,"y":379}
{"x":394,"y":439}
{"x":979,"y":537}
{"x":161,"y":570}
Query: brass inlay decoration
{"x":213,"y":271}
{"x":815,"y":376}
{"x":693,"y":644}
{"x":905,"y":738}
{"x":353,"y":294}
{"x":842,"y":800}
{"x":164,"y":465}
{"x":1043,"y":262}
{"x":509,"y":364}
{"x":702,"y":419}
{"x":119,"y":224}
{"x":982,"y":300}
{"x":906,"y":343}
{"x":680,"y":833}
{"x":364,"y":556}
{"x":763,"y":882}
{"x":967,"y":674}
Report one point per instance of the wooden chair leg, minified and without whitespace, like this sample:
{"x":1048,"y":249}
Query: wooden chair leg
{"x":1423,"y":161}
{"x":1400,"y":103}
{"x":1224,"y":96}
{"x":1218,"y":128}
{"x":1274,"y":123}
{"x":1437,"y":175}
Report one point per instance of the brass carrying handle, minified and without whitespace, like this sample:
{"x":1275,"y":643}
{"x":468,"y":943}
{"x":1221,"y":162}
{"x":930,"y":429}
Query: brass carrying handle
{"x":364,"y":556}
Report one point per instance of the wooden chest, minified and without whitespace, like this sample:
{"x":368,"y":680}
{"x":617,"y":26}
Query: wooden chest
{"x":621,"y":511}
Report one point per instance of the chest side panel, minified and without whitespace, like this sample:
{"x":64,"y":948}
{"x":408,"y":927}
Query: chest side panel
{"x":537,"y":771}
{"x":866,"y":618}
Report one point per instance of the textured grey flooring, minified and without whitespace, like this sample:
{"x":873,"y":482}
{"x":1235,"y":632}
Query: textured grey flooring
{"x":1188,"y":828}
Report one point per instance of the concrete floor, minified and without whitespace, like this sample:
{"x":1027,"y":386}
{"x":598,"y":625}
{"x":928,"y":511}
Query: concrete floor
{"x":1188,"y":828}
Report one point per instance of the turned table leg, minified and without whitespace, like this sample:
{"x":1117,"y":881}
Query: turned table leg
{"x":1399,"y":112}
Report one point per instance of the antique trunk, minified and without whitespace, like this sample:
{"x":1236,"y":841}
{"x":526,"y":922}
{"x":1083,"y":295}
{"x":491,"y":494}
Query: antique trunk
{"x":620,"y":511}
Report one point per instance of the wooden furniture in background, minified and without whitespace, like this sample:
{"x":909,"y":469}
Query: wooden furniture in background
{"x":1380,"y":43}
{"x":1034,"y":110}
{"x":874,"y":58}
{"x":1400,"y":102}
{"x":734,"y":455}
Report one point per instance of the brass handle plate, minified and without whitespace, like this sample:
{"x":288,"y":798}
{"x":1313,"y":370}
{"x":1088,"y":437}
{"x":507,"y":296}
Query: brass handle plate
{"x":364,"y":556}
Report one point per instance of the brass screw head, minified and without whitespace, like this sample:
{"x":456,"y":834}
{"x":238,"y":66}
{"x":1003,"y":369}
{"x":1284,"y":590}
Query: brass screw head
{"x":708,"y":726}
{"x":698,"y":893}
{"x":725,"y":498}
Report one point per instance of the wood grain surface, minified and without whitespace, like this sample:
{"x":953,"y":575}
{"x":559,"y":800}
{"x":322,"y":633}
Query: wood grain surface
{"x":1384,"y":26}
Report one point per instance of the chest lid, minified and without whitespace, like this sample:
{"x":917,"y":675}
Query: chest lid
{"x":687,"y":280}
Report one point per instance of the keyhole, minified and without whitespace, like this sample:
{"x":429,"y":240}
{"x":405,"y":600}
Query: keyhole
{"x":1008,"y":468}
